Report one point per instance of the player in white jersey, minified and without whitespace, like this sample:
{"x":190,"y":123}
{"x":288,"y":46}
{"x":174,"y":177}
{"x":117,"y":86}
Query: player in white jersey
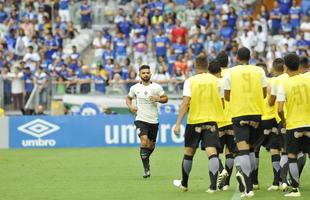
{"x":147,"y":95}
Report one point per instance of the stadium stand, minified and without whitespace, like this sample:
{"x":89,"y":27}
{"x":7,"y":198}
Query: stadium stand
{"x":166,"y":34}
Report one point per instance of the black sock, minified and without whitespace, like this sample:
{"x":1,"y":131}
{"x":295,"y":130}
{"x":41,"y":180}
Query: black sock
{"x":221,"y":167}
{"x":255,"y":169}
{"x":301,"y":161}
{"x":214,"y":165}
{"x":186,"y":169}
{"x":229,"y":165}
{"x":284,"y":168}
{"x":275,"y":160}
{"x":294,"y":174}
{"x":144,"y":154}
{"x":245,"y":165}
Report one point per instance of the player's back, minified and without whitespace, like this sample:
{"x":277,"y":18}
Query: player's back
{"x":297,"y":92}
{"x":269,"y":111}
{"x":205,"y":104}
{"x":246,"y":93}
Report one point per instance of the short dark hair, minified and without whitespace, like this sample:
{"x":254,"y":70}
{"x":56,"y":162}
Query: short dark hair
{"x":144,"y":67}
{"x":278,"y":65}
{"x":222,"y":58}
{"x":202,"y":61}
{"x":244,"y":54}
{"x":214,"y":67}
{"x":291,"y":61}
{"x":304,"y":62}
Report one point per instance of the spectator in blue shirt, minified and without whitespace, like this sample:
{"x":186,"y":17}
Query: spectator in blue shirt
{"x":160,"y":44}
{"x":64,"y":11}
{"x":85,"y":10}
{"x":124,"y":27}
{"x":178,"y":47}
{"x":275,"y":17}
{"x":226,"y":31}
{"x":286,"y":27}
{"x":120,"y":47}
{"x":28,"y":79}
{"x":232,"y":18}
{"x":196,"y":46}
{"x":99,"y":81}
{"x":3,"y":14}
{"x":295,"y":15}
{"x":285,"y":6}
{"x":84,"y":79}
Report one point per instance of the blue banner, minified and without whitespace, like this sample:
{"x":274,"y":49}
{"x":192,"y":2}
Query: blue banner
{"x":86,"y":131}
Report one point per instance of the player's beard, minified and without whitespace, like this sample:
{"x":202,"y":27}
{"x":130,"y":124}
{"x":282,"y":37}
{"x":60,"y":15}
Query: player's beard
{"x":146,"y":79}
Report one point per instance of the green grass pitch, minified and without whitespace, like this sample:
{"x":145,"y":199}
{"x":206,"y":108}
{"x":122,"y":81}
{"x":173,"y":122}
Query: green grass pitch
{"x":115,"y":173}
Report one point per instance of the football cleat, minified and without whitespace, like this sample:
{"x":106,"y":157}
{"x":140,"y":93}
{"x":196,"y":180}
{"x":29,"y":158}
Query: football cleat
{"x":178,"y":184}
{"x":221,"y":179}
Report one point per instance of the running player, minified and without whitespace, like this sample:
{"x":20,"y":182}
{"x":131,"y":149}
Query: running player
{"x":245,"y":87}
{"x":147,"y":95}
{"x":268,"y":134}
{"x":202,"y":101}
{"x":294,"y":94}
{"x":279,"y":72}
{"x":226,"y":131}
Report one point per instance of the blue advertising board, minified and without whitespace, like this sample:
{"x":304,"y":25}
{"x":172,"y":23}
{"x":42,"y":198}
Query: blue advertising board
{"x":85,"y":131}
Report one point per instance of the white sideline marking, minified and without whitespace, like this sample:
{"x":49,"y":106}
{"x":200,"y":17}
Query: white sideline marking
{"x":236,"y":196}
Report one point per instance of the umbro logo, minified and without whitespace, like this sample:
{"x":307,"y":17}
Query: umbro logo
{"x":38,"y":128}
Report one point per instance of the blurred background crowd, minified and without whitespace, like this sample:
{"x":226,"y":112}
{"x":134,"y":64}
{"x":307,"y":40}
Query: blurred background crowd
{"x":51,"y":48}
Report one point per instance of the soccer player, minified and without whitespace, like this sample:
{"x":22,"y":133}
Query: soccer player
{"x":245,"y":87}
{"x":269,"y":136}
{"x":226,"y":131}
{"x":294,"y":94}
{"x":202,"y":101}
{"x":147,"y":95}
{"x":278,"y":71}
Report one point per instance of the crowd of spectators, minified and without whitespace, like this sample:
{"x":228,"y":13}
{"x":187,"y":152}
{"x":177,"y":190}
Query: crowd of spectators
{"x":33,"y":35}
{"x":166,"y":34}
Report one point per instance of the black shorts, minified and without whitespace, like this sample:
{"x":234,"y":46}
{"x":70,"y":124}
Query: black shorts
{"x":145,"y":128}
{"x":268,"y":135}
{"x":298,"y":140}
{"x":246,"y":133}
{"x":227,"y":138}
{"x":196,"y":134}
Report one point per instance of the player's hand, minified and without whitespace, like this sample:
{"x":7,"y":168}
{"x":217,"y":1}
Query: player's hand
{"x":133,"y":109}
{"x":154,"y":98}
{"x":176,"y":129}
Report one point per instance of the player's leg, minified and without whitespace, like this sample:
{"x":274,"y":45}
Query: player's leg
{"x":192,"y":140}
{"x":152,"y":136}
{"x":243,"y":163}
{"x":142,"y":131}
{"x":274,"y":145}
{"x":301,"y":161}
{"x":294,"y":142}
{"x":284,"y":159}
{"x":211,"y":142}
{"x":275,"y":161}
{"x":229,"y":165}
{"x":145,"y":154}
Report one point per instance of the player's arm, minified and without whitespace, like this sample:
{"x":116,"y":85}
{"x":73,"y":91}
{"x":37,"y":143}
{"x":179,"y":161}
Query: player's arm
{"x":227,"y":86}
{"x":161,"y":96}
{"x":130,"y":106}
{"x":281,"y":97}
{"x":273,"y":93}
{"x":264,"y":83}
{"x":129,"y":97}
{"x":184,"y":106}
{"x":183,"y":110}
